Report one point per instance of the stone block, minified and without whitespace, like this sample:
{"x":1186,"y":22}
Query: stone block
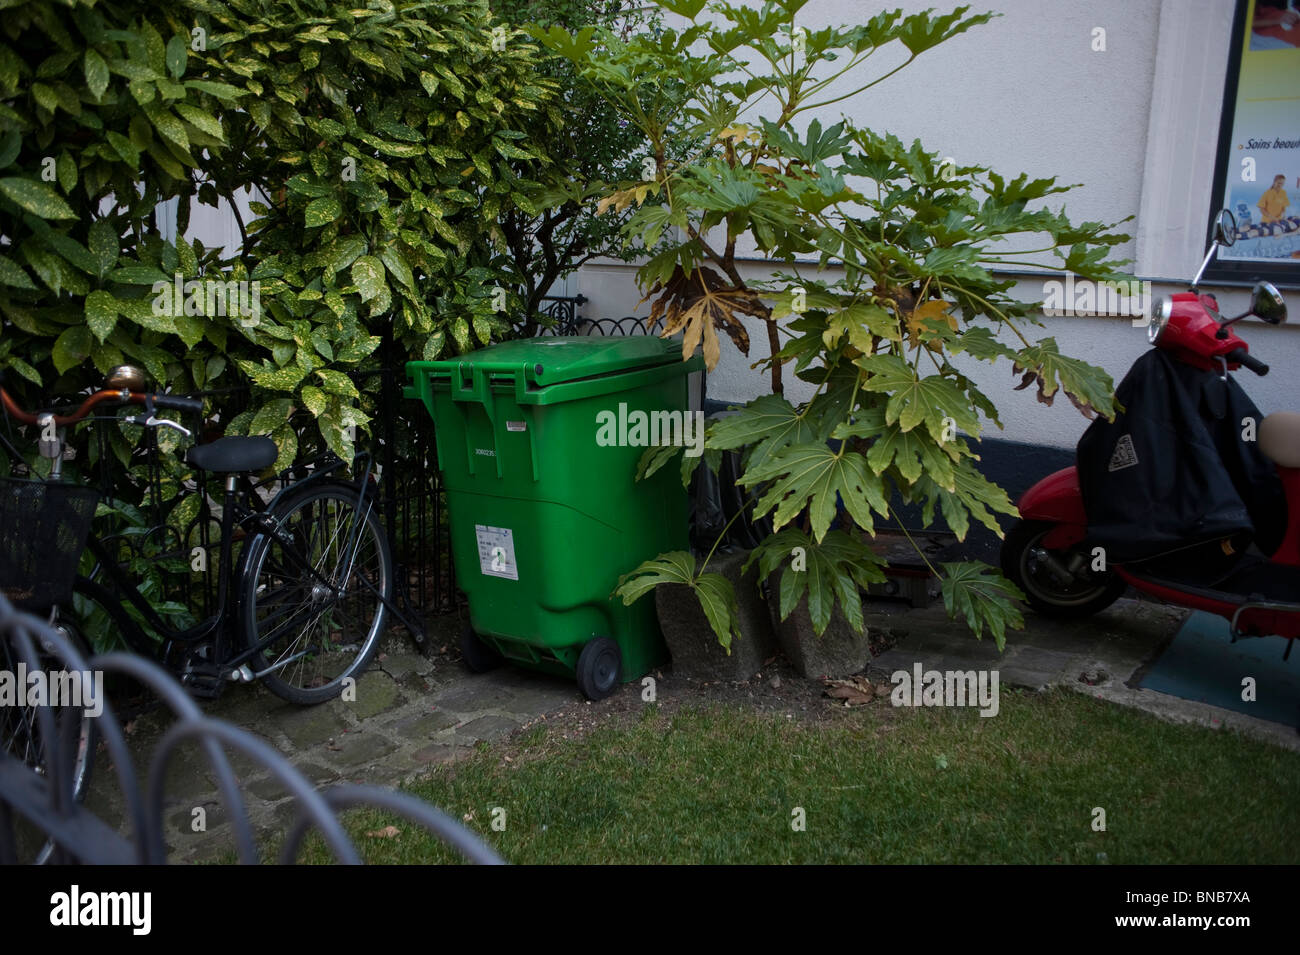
{"x":694,"y":647}
{"x":839,"y":651}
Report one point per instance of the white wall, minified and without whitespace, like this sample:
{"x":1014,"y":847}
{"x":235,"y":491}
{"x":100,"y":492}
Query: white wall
{"x":214,"y":227}
{"x":1027,"y":93}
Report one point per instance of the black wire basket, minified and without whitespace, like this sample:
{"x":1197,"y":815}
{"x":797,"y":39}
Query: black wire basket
{"x":43,"y":529}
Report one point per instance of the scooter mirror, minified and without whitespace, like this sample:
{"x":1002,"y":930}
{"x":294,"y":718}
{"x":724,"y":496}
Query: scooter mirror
{"x":1225,"y":228}
{"x":1266,"y":302}
{"x":1225,"y":234}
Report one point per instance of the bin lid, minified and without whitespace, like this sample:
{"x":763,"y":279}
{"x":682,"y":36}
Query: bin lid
{"x":574,"y":357}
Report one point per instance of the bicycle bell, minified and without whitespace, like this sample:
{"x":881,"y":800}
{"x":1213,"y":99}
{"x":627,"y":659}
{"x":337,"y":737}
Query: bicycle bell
{"x":125,"y":378}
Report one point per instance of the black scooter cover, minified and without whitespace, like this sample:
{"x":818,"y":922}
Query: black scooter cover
{"x":1178,"y":468}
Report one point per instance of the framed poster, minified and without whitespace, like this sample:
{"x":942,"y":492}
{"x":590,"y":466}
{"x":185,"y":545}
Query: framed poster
{"x":1257,"y":175}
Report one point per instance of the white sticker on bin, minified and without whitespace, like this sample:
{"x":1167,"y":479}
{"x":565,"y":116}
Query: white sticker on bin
{"x":516,"y":425}
{"x":496,"y":551}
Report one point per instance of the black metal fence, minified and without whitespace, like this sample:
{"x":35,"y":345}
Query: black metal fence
{"x":566,"y":320}
{"x":401,"y":445}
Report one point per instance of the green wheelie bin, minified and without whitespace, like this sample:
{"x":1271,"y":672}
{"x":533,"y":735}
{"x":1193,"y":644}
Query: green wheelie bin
{"x":538,"y":442}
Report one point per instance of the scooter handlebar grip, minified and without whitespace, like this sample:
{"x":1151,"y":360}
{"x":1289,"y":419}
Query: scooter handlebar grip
{"x":1239,"y":356}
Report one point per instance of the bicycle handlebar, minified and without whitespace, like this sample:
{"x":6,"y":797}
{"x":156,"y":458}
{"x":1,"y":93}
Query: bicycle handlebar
{"x":172,"y":402}
{"x":178,"y":403}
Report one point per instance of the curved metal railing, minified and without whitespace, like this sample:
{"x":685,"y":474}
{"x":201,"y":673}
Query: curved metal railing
{"x":41,"y":790}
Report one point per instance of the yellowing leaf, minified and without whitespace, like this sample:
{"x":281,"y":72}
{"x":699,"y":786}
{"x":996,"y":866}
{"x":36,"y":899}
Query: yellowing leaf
{"x":933,"y":310}
{"x":1089,"y":388}
{"x":863,"y":324}
{"x":696,"y":303}
{"x":625,"y":197}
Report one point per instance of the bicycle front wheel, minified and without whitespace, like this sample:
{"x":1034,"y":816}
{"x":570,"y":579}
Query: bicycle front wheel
{"x":313,"y":593}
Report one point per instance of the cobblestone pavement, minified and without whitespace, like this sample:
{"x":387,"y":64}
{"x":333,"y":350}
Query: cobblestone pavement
{"x":410,"y":712}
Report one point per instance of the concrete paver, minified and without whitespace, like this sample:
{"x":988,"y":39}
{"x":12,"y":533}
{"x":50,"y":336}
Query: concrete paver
{"x":1113,"y":645}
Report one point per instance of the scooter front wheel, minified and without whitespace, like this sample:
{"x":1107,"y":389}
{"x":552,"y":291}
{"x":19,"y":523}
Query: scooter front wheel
{"x":1057,"y":583}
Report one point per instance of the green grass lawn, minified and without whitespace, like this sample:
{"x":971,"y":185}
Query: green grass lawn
{"x":877,"y":785}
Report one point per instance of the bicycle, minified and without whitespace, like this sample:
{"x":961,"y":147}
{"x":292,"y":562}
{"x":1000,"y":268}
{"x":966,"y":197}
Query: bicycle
{"x":313,"y":582}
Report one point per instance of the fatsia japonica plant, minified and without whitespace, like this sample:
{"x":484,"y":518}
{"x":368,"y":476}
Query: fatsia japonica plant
{"x":906,"y":246}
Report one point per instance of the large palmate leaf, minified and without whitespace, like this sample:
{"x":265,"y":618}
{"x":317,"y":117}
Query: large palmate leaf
{"x":716,"y":595}
{"x":1089,"y":388}
{"x":767,"y":424}
{"x":934,"y":401}
{"x":825,"y":573}
{"x":820,"y":479}
{"x":862,"y":324}
{"x":983,"y":597}
{"x":656,"y":456}
{"x":818,"y":145}
{"x":912,"y":453}
{"x":699,"y":302}
{"x":979,"y":343}
{"x":971,"y":495}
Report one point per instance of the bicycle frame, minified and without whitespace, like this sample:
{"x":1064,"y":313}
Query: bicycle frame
{"x":235,"y":513}
{"x":209,"y":646}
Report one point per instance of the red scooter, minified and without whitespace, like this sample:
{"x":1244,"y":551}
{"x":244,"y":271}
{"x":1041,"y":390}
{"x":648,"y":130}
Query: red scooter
{"x":1187,"y":496}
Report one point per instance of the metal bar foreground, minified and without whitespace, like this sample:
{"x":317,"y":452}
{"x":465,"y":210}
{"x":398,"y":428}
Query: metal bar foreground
{"x":40,"y":790}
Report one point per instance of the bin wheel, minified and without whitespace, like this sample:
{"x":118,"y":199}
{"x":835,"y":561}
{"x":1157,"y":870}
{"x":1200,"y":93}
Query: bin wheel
{"x":478,"y":656}
{"x":599,"y":667}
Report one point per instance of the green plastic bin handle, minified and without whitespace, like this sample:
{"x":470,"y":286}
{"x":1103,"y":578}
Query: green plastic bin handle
{"x":472,"y":381}
{"x":477,"y":385}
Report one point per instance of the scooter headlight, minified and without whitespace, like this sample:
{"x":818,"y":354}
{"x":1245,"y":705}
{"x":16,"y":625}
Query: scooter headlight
{"x":1160,"y":313}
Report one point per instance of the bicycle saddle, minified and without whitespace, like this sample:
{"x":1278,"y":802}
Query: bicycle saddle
{"x":233,"y":454}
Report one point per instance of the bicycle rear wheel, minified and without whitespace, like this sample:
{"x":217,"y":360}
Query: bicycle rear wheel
{"x":313,"y":591}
